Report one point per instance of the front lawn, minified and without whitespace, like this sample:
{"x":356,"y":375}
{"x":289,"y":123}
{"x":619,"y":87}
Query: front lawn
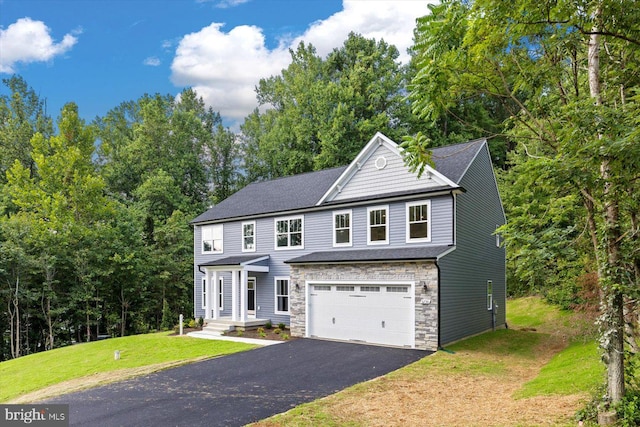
{"x":156,"y":351}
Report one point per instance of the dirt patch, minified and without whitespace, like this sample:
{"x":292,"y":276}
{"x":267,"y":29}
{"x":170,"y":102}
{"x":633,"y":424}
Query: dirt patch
{"x":96,"y":380}
{"x":436,"y":395}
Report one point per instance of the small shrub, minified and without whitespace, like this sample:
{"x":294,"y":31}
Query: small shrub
{"x":240,"y":333}
{"x":261,"y":330}
{"x":192,"y":324}
{"x":285,"y":336}
{"x":277,"y":330}
{"x":201,"y":321}
{"x":629,"y":409}
{"x":262,"y":334}
{"x":282,"y":326}
{"x":268,"y":325}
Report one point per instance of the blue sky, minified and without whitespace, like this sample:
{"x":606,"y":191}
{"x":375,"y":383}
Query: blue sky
{"x":100,"y":53}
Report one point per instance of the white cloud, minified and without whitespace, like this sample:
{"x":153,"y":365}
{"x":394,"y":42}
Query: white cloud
{"x":28,"y":41}
{"x":152,"y":61}
{"x":224,"y":67}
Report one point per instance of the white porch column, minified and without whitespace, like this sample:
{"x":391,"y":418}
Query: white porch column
{"x":215,"y":295}
{"x":244,"y":278}
{"x":234,"y":295}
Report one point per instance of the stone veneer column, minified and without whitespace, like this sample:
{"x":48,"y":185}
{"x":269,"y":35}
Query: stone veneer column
{"x":426,"y":302}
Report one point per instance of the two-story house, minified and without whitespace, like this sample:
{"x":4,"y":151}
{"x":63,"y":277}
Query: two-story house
{"x":367,"y":252}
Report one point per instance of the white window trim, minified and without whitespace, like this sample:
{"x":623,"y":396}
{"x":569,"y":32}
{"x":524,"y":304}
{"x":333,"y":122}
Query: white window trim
{"x":489,"y":295}
{"x":408,"y":231}
{"x":255,"y":243}
{"x":339,"y":245}
{"x":204,"y":293}
{"x":275,"y":293}
{"x":202,"y":228}
{"x":221,"y":293}
{"x":378,"y":242}
{"x":275,"y":233}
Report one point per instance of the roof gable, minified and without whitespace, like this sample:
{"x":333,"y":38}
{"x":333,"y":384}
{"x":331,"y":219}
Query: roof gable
{"x":380,"y":169}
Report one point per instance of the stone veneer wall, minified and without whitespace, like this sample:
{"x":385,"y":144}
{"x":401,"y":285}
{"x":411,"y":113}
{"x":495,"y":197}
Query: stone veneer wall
{"x":426,"y":303}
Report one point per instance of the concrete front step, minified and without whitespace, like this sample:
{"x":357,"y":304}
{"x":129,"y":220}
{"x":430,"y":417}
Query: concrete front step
{"x":226,"y":324}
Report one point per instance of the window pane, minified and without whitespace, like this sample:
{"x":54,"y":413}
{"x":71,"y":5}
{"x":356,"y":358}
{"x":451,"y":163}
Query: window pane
{"x":283,"y":240}
{"x":283,"y":304}
{"x":342,"y":236}
{"x":283,"y":287}
{"x":296,"y":225}
{"x":296,"y":239}
{"x":282,"y":226}
{"x":216,"y":232}
{"x":248,"y":230}
{"x":418,"y":230}
{"x":217,"y":245}
{"x":248,"y":242}
{"x":207,"y":246}
{"x":378,"y":233}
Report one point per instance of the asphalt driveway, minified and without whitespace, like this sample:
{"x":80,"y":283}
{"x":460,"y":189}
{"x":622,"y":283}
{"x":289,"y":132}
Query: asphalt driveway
{"x":237,"y":389}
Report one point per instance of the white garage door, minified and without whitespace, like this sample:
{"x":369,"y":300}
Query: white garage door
{"x":379,"y":314}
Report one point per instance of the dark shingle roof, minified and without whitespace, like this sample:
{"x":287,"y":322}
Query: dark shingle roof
{"x":453,"y":160}
{"x":305,"y":190}
{"x":370,"y":255}
{"x":282,"y":194}
{"x":234,"y":260}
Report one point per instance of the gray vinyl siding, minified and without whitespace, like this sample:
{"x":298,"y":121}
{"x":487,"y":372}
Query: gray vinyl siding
{"x":465,"y":271}
{"x":394,"y":177}
{"x":318,"y":236}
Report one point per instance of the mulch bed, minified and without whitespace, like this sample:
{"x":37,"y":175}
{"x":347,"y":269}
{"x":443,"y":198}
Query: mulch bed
{"x":267,"y":334}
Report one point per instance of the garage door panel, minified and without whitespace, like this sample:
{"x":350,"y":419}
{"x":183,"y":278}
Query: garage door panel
{"x":369,"y":313}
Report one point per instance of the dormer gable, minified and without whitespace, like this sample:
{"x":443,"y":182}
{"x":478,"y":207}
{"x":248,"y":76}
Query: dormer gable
{"x":380,"y":169}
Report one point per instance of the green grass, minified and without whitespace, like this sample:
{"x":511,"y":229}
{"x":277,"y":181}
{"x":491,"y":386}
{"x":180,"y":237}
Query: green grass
{"x":39,"y":370}
{"x":574,"y":370}
{"x":533,"y":312}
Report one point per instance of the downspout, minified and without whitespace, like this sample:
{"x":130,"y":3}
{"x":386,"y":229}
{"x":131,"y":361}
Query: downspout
{"x":439,"y":273}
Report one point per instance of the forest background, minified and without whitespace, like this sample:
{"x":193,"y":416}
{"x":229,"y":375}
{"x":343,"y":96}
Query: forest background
{"x":94,"y":217}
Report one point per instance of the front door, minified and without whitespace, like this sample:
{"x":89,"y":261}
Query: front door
{"x":251,"y":297}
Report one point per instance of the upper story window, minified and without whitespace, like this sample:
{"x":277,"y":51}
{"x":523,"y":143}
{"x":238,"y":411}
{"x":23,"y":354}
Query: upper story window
{"x":342,"y":228}
{"x":378,"y":225}
{"x":212,"y":239}
{"x":418,"y":221}
{"x":249,"y":236}
{"x":289,"y":233}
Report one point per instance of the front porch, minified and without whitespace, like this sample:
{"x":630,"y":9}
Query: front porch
{"x":243,"y":288}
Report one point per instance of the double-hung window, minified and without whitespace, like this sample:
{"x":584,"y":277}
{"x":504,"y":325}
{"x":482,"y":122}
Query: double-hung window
{"x":282,"y":295}
{"x":289,"y":233}
{"x":378,"y":225}
{"x":342,"y":228}
{"x":212,"y":239}
{"x":489,"y":294}
{"x":249,"y":236}
{"x":418,"y":221}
